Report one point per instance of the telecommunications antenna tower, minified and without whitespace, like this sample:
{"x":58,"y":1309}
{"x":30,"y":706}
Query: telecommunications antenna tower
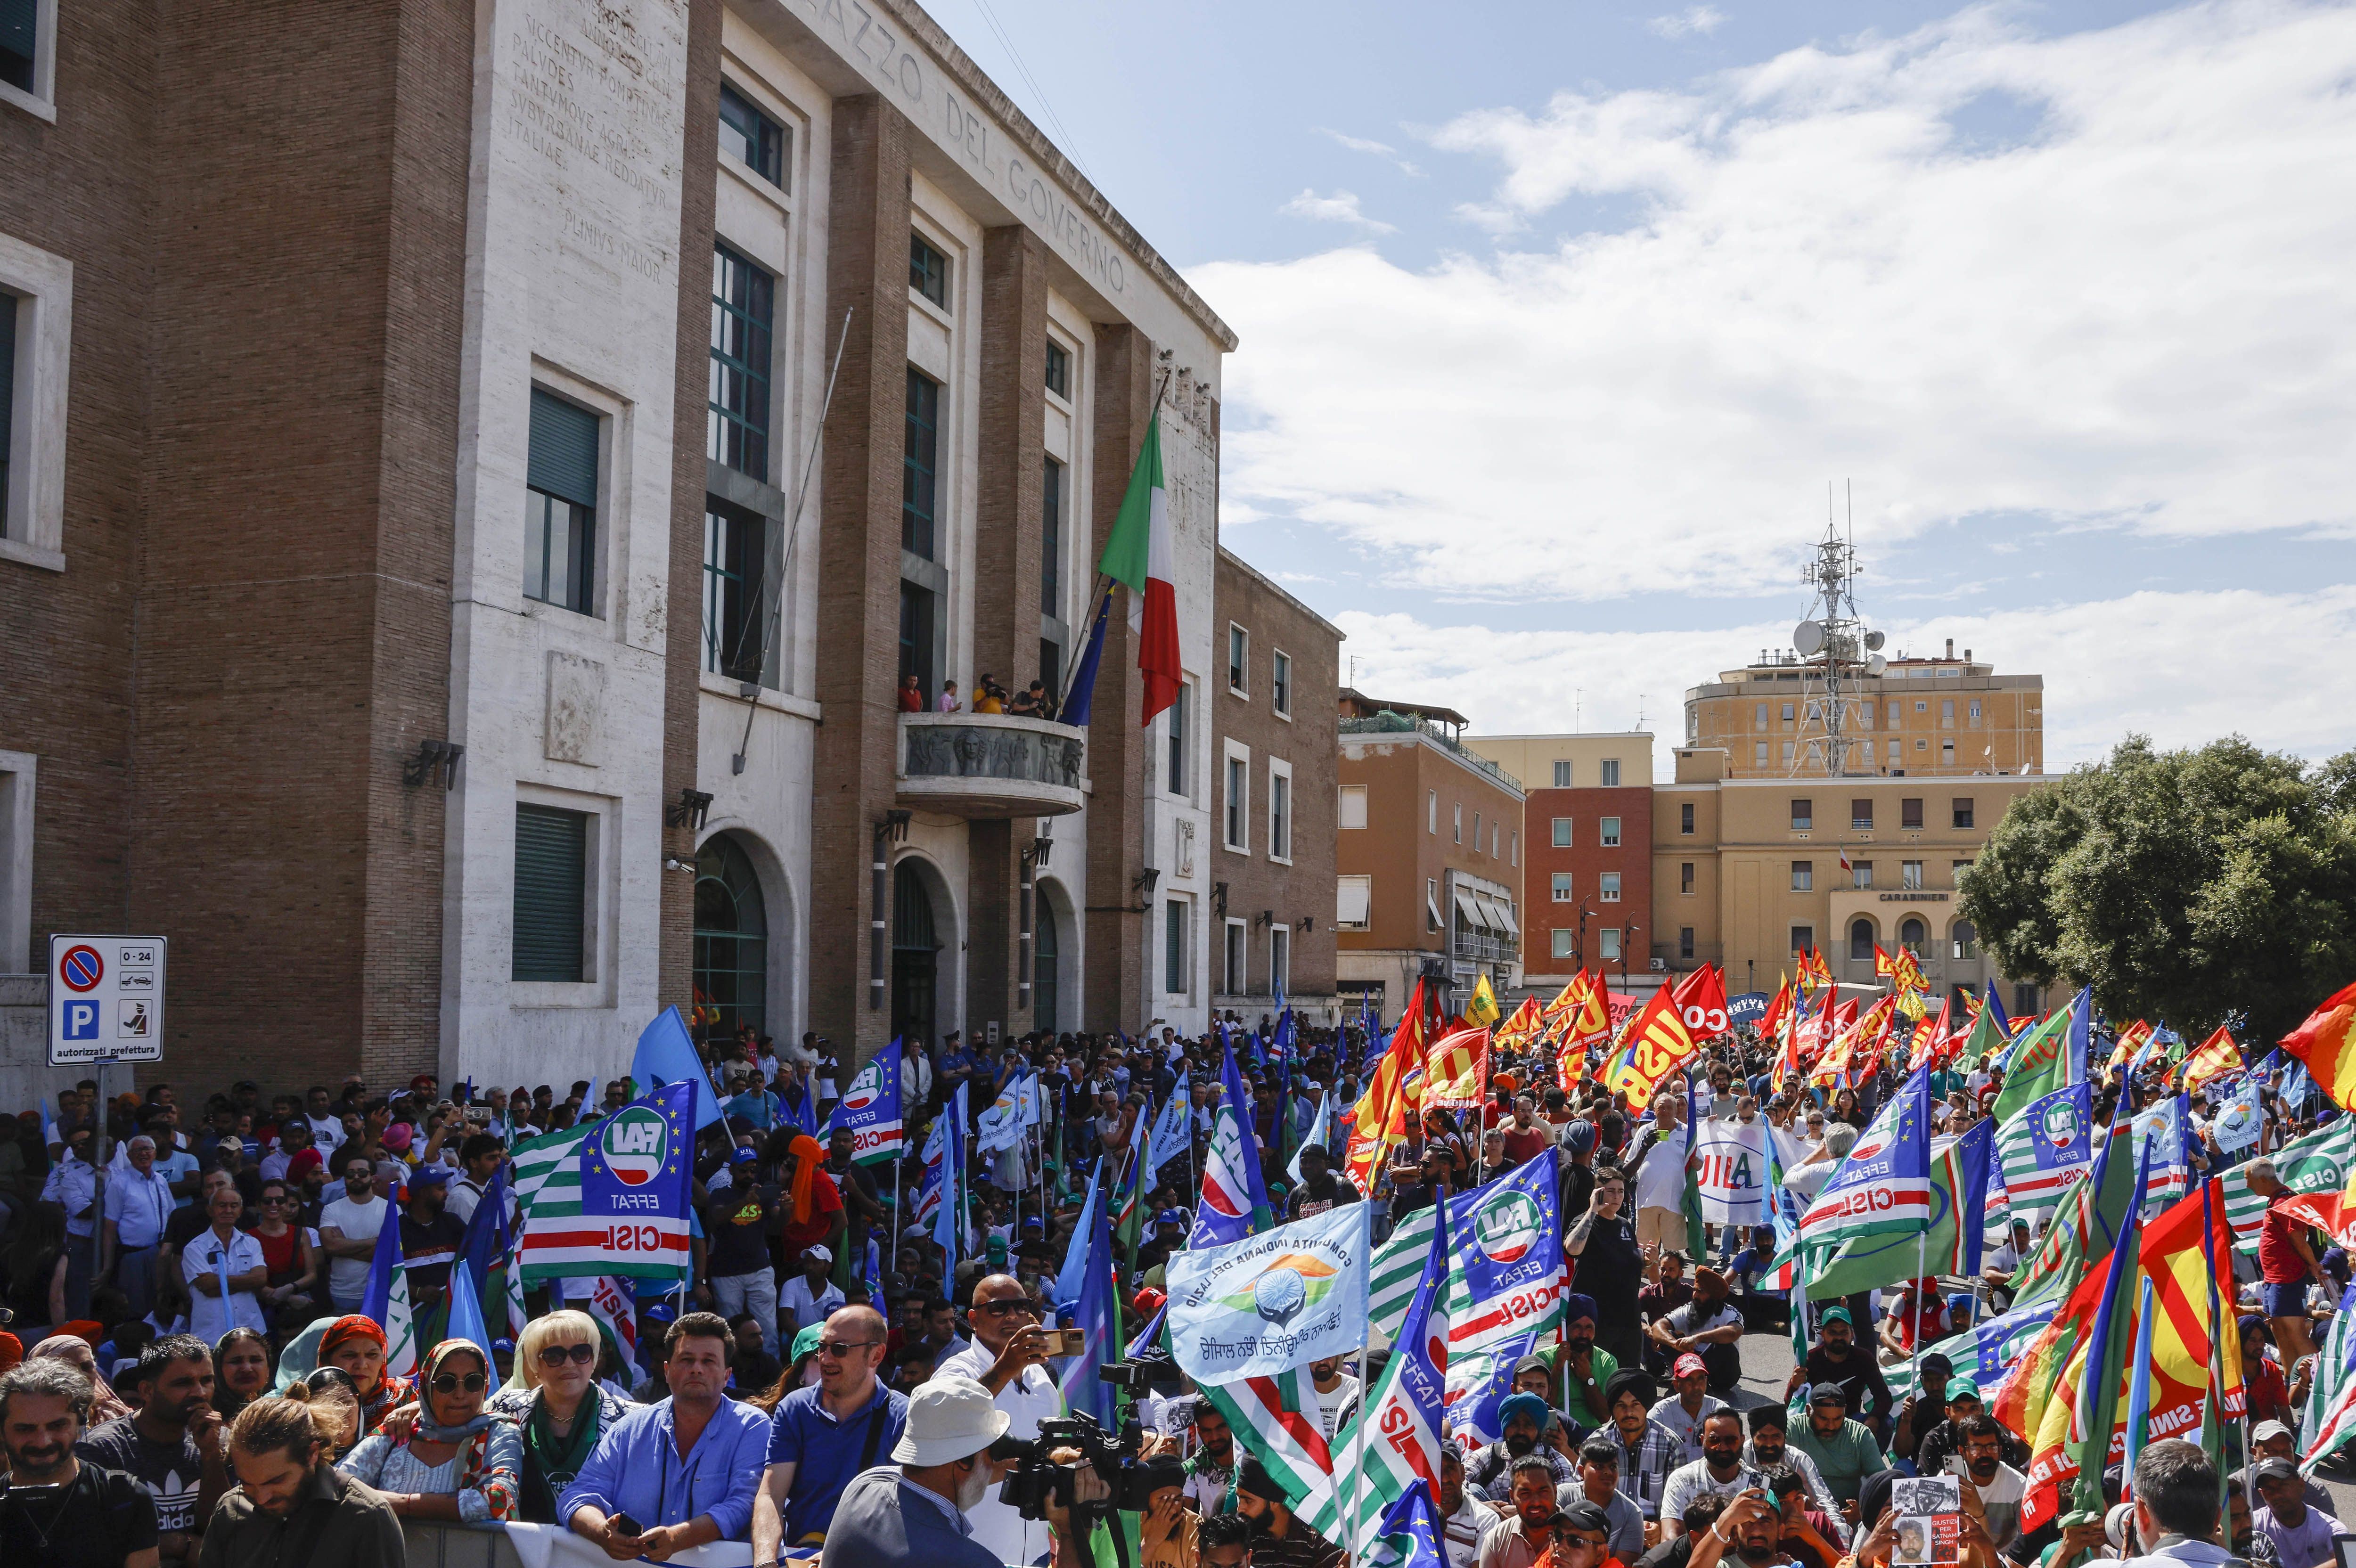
{"x":1837,"y":652}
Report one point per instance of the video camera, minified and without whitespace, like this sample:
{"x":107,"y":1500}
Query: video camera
{"x":1151,"y":1371}
{"x":1037,"y":1477}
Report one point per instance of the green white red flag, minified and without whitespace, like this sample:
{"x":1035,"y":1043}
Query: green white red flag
{"x":1137,"y":555}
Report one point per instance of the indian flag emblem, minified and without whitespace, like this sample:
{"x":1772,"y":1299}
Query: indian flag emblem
{"x":1286,"y":1288}
{"x":635,"y":1143}
{"x":1507,"y":1226}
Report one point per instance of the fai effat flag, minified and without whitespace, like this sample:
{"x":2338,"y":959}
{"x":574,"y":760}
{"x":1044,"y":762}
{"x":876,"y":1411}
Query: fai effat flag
{"x":623,"y":1211}
{"x":1733,"y":1175}
{"x":1407,"y":1408}
{"x":2047,"y":1149}
{"x":1884,"y":1183}
{"x":870,"y":1110}
{"x":1272,"y":1302}
{"x":1504,"y":1286}
{"x":1234,"y":1200}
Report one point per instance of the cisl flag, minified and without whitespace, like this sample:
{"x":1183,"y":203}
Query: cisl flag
{"x":614,"y":1200}
{"x":1884,"y":1182}
{"x":871,"y":1111}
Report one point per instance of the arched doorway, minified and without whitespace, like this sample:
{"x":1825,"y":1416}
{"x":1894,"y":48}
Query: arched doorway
{"x":1860,"y":940}
{"x":1964,"y":941}
{"x":732,"y":941}
{"x":915,"y":955}
{"x":1046,"y":946}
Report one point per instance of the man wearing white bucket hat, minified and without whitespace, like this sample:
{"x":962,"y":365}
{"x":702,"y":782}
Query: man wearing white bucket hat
{"x":912,"y":1512}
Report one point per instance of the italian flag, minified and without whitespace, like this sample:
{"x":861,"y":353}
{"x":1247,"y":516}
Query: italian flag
{"x":1137,"y":555}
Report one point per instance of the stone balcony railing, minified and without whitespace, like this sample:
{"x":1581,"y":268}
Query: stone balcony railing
{"x":985,"y":766}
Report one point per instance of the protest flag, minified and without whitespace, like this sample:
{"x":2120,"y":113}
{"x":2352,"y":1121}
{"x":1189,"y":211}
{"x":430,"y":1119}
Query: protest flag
{"x":2212,"y":1057}
{"x":1411,"y":1533}
{"x":1097,"y":1318}
{"x":466,"y":1316}
{"x":1952,"y":1243}
{"x":1883,"y":1183}
{"x":1408,"y":1403}
{"x":1234,"y":1200}
{"x":1379,"y":1119}
{"x":2047,"y":1149}
{"x":2040,"y":1063}
{"x":870,"y":1110}
{"x":2073,"y":1440}
{"x":1658,"y":1044}
{"x":611,"y":1198}
{"x":2325,"y":1044}
{"x":666,"y":1054}
{"x":385,"y":1301}
{"x":948,"y":1221}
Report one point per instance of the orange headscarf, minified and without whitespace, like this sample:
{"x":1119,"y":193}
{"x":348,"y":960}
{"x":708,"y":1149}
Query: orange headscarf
{"x":808,"y":1157}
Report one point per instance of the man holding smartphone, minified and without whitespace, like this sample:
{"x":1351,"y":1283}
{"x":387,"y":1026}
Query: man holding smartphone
{"x":1007,"y":1356}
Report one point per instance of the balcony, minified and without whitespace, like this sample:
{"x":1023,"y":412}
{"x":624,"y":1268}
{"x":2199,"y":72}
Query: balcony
{"x":980,"y":766}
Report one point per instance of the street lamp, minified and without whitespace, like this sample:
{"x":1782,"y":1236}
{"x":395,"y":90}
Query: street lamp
{"x":1627,"y":939}
{"x":1586,"y":908}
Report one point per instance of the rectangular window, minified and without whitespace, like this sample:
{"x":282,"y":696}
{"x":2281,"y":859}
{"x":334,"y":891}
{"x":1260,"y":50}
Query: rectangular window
{"x":1562,"y":942}
{"x":1963,"y":810}
{"x":1238,"y":660}
{"x":1955,"y":870}
{"x":1974,"y":713}
{"x":1860,"y":873}
{"x":1897,"y":752}
{"x":1861,"y":815}
{"x":1921,"y":705}
{"x":1686,"y":943}
{"x":1787,"y":713}
{"x":1759,"y":717}
{"x":1431,"y":811}
{"x":7,"y":344}
{"x":560,"y":508}
{"x":745,"y":135}
{"x":1356,"y":904}
{"x":1497,"y":837}
{"x":552,"y":895}
{"x":1893,"y":722}
{"x":1608,"y":832}
{"x":1946,"y":754}
{"x":1803,"y":937}
{"x":1059,"y":369}
{"x":1607,"y":944}
{"x":1175,"y":976}
{"x":1607,"y":886}
{"x":1051,"y":538}
{"x":1610,"y":766}
{"x":1562,"y":895}
{"x":1280,"y":816}
{"x":1804,"y":816}
{"x":920,"y":465}
{"x":1513,"y":847}
{"x":1352,"y":810}
{"x":1239,"y":776}
{"x":2024,"y":1001}
{"x":1279,"y":693}
{"x":1803,"y":876}
{"x":1758,"y":754}
{"x":1946,"y":713}
{"x":1280,"y":958}
{"x":744,"y":306}
{"x":735,"y":630}
{"x":1910,"y":812}
{"x":1685,"y":819}
{"x":1476,"y":833}
{"x":928,"y":272}
{"x":1430,"y":904}
{"x":1562,"y":832}
{"x":1562,"y":775}
{"x":1174,"y":776}
{"x":916,"y":638}
{"x":1910,"y":873}
{"x":1685,"y":876}
{"x":1457,"y":832}
{"x":1239,"y":982}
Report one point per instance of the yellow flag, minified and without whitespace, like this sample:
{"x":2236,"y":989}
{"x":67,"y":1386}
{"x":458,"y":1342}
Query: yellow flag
{"x":1482,"y":1008}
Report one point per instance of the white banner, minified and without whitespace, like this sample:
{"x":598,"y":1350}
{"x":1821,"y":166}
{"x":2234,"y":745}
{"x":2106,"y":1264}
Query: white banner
{"x":1272,"y":1302}
{"x":1733,"y":1174}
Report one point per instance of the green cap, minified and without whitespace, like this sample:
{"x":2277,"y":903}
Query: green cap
{"x":806,"y":1342}
{"x":1835,"y":1315}
{"x":1962,"y":1388}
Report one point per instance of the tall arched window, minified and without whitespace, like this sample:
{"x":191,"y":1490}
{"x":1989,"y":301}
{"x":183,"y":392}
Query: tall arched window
{"x":732,"y":941}
{"x":915,"y":955}
{"x":1860,"y":939}
{"x":1913,"y":934}
{"x":1046,"y":942}
{"x":1964,"y":940}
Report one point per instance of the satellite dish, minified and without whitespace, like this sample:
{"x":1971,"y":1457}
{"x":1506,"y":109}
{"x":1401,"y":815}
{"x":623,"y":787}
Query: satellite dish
{"x":1875,"y":664}
{"x":1808,"y":636}
{"x":1873,"y":642}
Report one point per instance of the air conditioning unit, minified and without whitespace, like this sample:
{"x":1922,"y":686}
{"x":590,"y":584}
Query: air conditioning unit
{"x":1660,"y":965}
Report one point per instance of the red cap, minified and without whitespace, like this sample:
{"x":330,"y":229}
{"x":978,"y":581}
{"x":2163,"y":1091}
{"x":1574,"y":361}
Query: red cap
{"x":1685,"y":1364}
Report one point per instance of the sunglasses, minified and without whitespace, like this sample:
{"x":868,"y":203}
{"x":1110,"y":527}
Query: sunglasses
{"x":836,"y":1349}
{"x":1000,"y":1309}
{"x":451,"y":1382}
{"x":557,"y":1355}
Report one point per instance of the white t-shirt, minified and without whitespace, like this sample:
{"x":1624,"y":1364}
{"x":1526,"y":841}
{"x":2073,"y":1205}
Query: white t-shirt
{"x":794,"y":1297}
{"x":359,"y":1222}
{"x":1027,"y":1401}
{"x":1330,"y":1406}
{"x":1661,"y":1179}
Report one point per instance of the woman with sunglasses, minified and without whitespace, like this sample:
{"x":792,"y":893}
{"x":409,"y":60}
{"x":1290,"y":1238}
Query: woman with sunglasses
{"x":558,"y":1402}
{"x":458,"y":1461}
{"x":293,"y":1288}
{"x":242,"y":1372}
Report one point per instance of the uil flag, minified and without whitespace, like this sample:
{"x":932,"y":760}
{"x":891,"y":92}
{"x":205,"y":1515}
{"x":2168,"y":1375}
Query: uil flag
{"x":1456,"y":1074}
{"x":1137,"y":555}
{"x":2046,"y":1150}
{"x":1884,"y":1181}
{"x":1732,"y":1181}
{"x":1235,"y":1201}
{"x":627,"y":1209}
{"x":870,"y":1110}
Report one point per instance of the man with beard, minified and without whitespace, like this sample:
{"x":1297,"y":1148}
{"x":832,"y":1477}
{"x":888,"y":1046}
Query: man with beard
{"x":1211,"y":1470}
{"x":171,"y":1444}
{"x":1599,"y":1483}
{"x":1707,"y":1326}
{"x":1648,"y":1451}
{"x":1767,"y":1449}
{"x":2301,"y":1535}
{"x":1836,"y":1358}
{"x":1464,"y":1518}
{"x":2000,"y":1485}
{"x":1522,"y":1537}
{"x":291,"y":1504}
{"x":2248,"y":1544}
{"x":1007,"y":1356}
{"x":1844,"y":1451}
{"x":57,"y":1511}
{"x":1337,"y":1394}
{"x":1682,"y":1414}
{"x":1721,"y":1470}
{"x":1963,"y":1403}
{"x":1320,"y":1189}
{"x":1525,"y":1419}
{"x":912,"y":1510}
{"x":1749,"y":1531}
{"x":1583,"y":1368}
{"x":1279,"y":1539}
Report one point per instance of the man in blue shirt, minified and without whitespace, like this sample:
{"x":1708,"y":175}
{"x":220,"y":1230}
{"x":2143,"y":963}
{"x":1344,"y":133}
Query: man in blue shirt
{"x":683,"y":1470}
{"x":824,"y":1435}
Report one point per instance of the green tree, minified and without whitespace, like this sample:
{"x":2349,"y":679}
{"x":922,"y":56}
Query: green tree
{"x":2200,"y":888}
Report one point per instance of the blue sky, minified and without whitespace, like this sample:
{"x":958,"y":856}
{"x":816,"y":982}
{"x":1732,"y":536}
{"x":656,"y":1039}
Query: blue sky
{"x":1557,"y":319}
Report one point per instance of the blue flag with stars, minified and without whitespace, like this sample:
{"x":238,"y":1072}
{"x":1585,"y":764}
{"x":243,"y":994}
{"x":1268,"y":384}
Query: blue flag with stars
{"x":635,"y":1166}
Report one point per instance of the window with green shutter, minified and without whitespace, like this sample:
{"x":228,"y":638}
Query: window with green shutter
{"x":560,"y":520}
{"x":551,"y":893}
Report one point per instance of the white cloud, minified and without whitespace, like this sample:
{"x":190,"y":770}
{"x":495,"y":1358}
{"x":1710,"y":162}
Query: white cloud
{"x":2132,"y":315}
{"x":1702,"y":19}
{"x":2183,"y":667}
{"x":1383,"y":150}
{"x":1342,"y":207}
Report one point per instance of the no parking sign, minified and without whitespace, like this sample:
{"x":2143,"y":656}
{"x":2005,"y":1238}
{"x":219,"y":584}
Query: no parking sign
{"x":106,"y":1000}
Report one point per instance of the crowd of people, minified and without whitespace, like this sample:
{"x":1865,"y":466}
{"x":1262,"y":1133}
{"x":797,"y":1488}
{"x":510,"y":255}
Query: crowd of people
{"x":188,"y":1372}
{"x":1035,"y":700}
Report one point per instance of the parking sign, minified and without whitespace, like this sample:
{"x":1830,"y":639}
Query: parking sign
{"x":106,"y":1000}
